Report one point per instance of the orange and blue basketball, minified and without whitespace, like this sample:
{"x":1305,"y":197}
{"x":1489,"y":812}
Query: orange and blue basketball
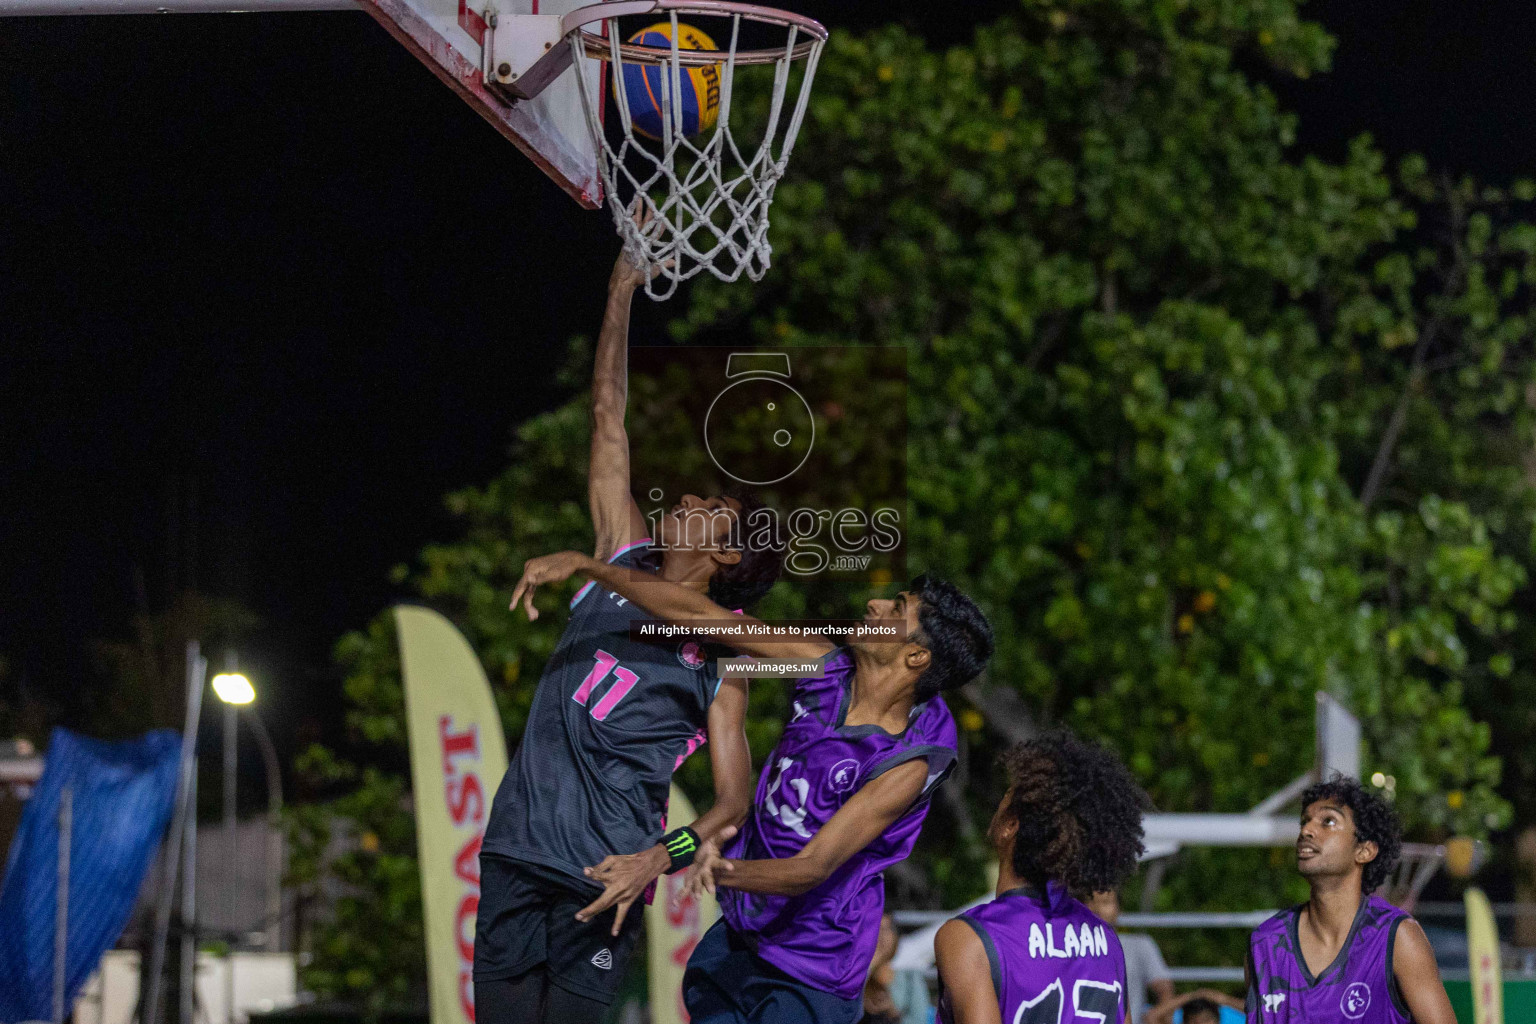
{"x":644,"y":84}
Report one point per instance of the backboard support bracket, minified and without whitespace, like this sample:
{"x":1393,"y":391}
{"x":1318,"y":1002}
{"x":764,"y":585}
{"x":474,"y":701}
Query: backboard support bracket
{"x":524,"y":54}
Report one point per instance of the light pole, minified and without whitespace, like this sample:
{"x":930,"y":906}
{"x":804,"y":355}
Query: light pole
{"x":273,"y":927}
{"x":241,"y":694}
{"x":234,"y":690}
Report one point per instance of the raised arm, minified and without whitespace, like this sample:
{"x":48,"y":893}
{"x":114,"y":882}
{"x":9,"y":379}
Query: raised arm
{"x":625,"y":877}
{"x":669,"y":602}
{"x":859,"y":822}
{"x":730,"y":761}
{"x":616,"y":519}
{"x":965,"y":975}
{"x":1418,"y":976}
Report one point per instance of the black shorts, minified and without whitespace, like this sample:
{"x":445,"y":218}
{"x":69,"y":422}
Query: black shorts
{"x":527,"y":919}
{"x":727,"y":983}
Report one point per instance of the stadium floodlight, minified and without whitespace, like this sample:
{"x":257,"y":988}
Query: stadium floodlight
{"x":233,"y":688}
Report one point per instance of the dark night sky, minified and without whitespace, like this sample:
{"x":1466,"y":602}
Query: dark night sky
{"x":272,"y":258}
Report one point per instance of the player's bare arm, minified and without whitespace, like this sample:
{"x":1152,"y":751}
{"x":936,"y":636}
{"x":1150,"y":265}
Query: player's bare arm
{"x":616,"y":519}
{"x":1418,"y":977}
{"x":669,"y":602}
{"x":859,"y":822}
{"x":966,"y":975}
{"x":625,"y":877}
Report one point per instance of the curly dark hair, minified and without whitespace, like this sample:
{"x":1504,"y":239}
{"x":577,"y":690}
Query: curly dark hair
{"x":742,"y":585}
{"x":955,"y":632}
{"x":1375,"y":822}
{"x":1201,"y":1007}
{"x":1079,"y":813}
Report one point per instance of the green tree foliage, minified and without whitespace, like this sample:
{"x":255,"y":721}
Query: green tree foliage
{"x":369,"y":945}
{"x":1436,"y":422}
{"x":1208,"y":425}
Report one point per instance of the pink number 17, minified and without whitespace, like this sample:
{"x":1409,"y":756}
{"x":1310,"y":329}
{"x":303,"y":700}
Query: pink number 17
{"x":606,"y":663}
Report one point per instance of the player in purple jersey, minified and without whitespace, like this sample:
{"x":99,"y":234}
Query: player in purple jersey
{"x":1345,"y":955}
{"x":842,"y":797}
{"x":611,"y":719}
{"x":1069,"y":825}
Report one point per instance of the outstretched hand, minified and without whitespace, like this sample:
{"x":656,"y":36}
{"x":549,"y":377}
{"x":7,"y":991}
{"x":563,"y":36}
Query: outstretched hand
{"x":556,"y":568}
{"x":707,"y":864}
{"x":627,"y":275}
{"x":624,"y":880}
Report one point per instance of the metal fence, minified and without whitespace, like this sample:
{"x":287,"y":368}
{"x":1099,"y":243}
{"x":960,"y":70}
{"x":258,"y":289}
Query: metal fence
{"x":1520,"y":963}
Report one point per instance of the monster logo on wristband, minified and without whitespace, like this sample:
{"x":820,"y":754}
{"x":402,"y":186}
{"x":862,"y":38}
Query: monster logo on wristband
{"x":681,"y":845}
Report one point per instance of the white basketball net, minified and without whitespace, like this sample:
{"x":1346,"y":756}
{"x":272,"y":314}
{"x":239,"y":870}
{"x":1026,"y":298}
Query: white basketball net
{"x":684,"y":205}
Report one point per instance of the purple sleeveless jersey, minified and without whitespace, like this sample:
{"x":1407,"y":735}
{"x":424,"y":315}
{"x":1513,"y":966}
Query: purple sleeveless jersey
{"x":1052,"y":959}
{"x":825,"y":938}
{"x":1357,"y":988}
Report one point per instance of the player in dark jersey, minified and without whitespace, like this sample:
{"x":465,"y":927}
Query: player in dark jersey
{"x":842,"y":797}
{"x":1345,"y":955}
{"x":610,"y":721}
{"x":1069,"y":825}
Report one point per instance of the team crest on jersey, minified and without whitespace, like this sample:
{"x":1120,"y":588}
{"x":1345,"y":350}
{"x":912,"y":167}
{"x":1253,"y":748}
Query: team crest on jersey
{"x":1273,"y":1001}
{"x":844,"y":775}
{"x":778,"y":804}
{"x":690,"y":655}
{"x":1355,"y":1001}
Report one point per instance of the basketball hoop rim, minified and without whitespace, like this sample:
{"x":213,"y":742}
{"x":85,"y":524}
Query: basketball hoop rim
{"x":600,"y":48}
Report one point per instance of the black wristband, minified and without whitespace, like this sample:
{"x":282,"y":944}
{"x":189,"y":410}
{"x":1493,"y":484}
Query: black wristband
{"x":681,"y":845}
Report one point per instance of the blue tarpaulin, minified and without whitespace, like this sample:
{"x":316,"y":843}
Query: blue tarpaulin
{"x":122,"y":798}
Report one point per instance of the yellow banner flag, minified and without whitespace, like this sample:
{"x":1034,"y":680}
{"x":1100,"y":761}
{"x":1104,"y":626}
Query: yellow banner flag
{"x":458,"y":756}
{"x":674,"y":924}
{"x":1483,"y":957}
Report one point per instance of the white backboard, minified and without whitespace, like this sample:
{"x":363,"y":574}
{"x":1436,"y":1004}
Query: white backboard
{"x":447,"y":36}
